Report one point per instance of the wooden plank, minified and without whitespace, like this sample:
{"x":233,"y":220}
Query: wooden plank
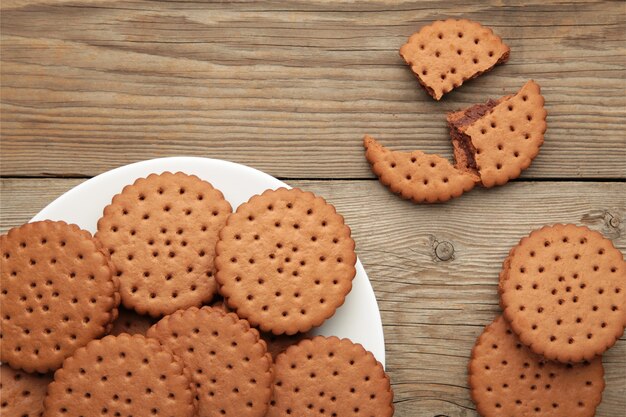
{"x":289,"y":87}
{"x":432,"y":310}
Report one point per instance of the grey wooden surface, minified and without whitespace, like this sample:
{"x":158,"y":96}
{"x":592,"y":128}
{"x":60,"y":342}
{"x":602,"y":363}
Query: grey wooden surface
{"x":290,"y":87}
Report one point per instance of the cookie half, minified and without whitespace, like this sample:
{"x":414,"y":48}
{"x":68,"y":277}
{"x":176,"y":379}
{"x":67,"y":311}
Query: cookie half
{"x":330,"y":376}
{"x":285,"y":261}
{"x":161,"y":233}
{"x":22,"y":394}
{"x":58,"y":293}
{"x":499,"y":139}
{"x":229,"y":363}
{"x":121,"y":376}
{"x":507,"y":379}
{"x":416,"y":175}
{"x":447,"y":53}
{"x":563,"y":290}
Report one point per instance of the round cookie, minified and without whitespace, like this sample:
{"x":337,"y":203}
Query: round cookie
{"x":130,"y":322}
{"x":285,"y":261}
{"x":161,"y":233}
{"x":229,"y":363}
{"x":22,"y":394}
{"x":507,"y":379}
{"x":58,"y":293}
{"x":121,"y":376}
{"x":331,"y":377}
{"x":563,"y":290}
{"x":417,"y":176}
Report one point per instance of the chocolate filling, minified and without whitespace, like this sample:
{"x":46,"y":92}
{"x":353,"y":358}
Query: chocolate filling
{"x":464,"y":151}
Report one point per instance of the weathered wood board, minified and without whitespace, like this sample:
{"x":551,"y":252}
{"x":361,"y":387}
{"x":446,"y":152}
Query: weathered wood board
{"x":290,"y":87}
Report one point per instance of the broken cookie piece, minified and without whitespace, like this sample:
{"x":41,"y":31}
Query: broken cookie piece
{"x":417,"y":176}
{"x":464,"y":151}
{"x":446,"y":53}
{"x":499,"y":139}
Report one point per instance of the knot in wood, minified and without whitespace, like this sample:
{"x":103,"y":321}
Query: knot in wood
{"x":444,"y":251}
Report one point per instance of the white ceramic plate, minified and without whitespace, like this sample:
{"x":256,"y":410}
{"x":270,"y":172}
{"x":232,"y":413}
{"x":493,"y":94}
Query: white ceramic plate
{"x":358,"y":319}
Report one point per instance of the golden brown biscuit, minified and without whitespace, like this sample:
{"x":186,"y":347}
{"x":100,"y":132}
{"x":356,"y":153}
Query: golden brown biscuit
{"x":285,"y":261}
{"x":229,"y":363}
{"x":416,"y":175}
{"x":507,"y":379}
{"x":161,"y":233}
{"x":22,"y":394}
{"x":563,"y":291}
{"x":506,"y":139}
{"x":447,"y":53}
{"x":330,"y":376}
{"x":121,"y":376}
{"x":58,"y":293}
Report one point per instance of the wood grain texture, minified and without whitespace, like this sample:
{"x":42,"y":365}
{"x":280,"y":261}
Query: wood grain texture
{"x":289,"y":87}
{"x":432,"y":310}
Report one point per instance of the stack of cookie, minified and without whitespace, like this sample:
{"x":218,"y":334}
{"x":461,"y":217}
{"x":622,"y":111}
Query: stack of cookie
{"x":562,"y":292}
{"x":493,"y":142}
{"x":165,"y":247}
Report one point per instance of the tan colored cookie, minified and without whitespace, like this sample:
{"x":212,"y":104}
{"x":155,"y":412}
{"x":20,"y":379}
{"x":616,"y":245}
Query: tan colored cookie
{"x":447,"y":53}
{"x":58,"y":293}
{"x":330,"y":377}
{"x":285,"y":261}
{"x":161,"y":233}
{"x":130,"y":322}
{"x":121,"y":376}
{"x":22,"y":394}
{"x":228,"y":361}
{"x":509,"y":136}
{"x":416,"y":175}
{"x":276,"y":344}
{"x":506,"y":379}
{"x":563,"y":291}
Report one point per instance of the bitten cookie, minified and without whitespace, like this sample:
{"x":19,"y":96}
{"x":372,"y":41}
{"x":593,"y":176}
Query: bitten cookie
{"x":507,"y":379}
{"x":121,"y":376}
{"x":285,"y":261}
{"x":563,"y":290}
{"x":22,"y":394}
{"x":130,"y":322}
{"x":416,"y":175}
{"x":499,"y":139}
{"x":229,"y":363}
{"x":447,"y":53}
{"x":161,"y":233}
{"x":464,"y":151}
{"x":58,"y":293}
{"x":329,"y":376}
